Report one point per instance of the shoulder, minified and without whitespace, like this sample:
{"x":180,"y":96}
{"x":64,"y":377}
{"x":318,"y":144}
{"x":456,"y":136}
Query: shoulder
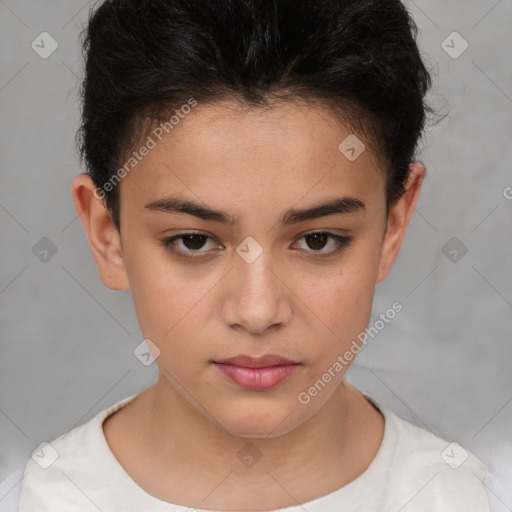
{"x":432,"y":473}
{"x":10,"y":490}
{"x":58,"y":472}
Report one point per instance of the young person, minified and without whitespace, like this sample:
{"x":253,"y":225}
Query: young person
{"x":251,"y":174}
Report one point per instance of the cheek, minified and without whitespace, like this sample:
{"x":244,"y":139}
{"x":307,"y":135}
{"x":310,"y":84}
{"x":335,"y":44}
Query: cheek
{"x":167,"y":313}
{"x":173,"y":305}
{"x":163,"y":294}
{"x":340,"y":302}
{"x":168,"y":305}
{"x":342,"y":307}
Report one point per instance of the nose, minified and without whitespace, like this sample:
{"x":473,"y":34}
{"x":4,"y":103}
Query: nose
{"x":258,"y":299}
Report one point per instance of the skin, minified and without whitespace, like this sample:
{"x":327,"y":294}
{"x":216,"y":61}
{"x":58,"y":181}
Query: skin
{"x":179,"y":438}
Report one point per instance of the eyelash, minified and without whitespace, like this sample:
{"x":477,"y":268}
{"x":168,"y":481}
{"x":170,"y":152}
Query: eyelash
{"x":343,"y":242}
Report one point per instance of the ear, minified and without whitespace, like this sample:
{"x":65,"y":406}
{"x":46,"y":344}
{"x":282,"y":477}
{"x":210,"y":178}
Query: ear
{"x":104,"y":239}
{"x":398,"y":219}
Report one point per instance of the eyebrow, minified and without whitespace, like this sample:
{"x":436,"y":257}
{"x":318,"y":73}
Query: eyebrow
{"x":341,"y":205}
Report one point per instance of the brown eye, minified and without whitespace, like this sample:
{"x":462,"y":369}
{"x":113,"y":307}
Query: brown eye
{"x":320,"y":239}
{"x":317,"y":241}
{"x":187,"y":244}
{"x":194,"y":242}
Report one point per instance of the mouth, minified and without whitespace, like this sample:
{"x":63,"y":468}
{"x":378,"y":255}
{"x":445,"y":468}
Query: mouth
{"x":257,"y":374}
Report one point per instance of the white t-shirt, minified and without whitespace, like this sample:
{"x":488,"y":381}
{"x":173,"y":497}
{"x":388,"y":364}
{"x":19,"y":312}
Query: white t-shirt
{"x":413,"y":471}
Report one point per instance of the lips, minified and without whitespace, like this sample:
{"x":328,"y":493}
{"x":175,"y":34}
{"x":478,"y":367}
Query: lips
{"x":257,"y":362}
{"x":257,"y":374}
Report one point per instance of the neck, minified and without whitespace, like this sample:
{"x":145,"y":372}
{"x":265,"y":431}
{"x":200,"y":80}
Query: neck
{"x":335,"y":445}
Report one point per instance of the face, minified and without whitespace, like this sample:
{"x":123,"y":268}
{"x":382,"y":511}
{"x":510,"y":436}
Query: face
{"x":227,"y":252}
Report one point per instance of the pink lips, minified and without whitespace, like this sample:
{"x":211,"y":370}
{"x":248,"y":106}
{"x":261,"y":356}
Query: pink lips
{"x":257,"y":374}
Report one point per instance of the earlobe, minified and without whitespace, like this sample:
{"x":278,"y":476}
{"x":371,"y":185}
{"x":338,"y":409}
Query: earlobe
{"x":104,"y":239}
{"x":399,"y":217}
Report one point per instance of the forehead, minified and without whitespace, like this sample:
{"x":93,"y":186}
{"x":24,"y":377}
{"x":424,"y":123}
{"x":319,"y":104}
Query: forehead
{"x":290,"y":149}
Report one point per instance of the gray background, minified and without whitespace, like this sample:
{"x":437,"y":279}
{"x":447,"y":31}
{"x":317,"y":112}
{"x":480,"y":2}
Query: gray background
{"x":443,"y":363}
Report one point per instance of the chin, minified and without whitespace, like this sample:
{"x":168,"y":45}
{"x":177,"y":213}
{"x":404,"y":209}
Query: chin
{"x":252,"y":421}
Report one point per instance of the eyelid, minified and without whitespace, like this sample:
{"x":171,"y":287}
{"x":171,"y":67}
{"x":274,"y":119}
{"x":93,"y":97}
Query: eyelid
{"x":343,"y":241}
{"x":168,"y":241}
